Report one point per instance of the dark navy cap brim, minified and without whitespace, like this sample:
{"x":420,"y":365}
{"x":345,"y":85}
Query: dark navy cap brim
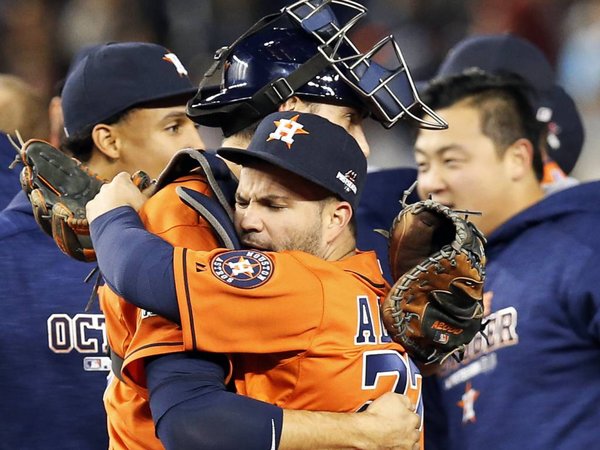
{"x":311,"y":147}
{"x":246,"y":157}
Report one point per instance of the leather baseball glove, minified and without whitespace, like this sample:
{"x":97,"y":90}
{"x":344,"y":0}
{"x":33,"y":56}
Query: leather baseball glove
{"x":435,"y":306}
{"x":58,"y":188}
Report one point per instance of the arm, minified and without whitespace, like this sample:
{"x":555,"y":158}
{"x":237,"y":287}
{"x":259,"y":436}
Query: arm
{"x":191,"y":409}
{"x":144,"y":273}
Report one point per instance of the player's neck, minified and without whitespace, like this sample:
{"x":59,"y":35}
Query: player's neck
{"x":235,"y":141}
{"x":238,"y":140}
{"x":341,"y":248}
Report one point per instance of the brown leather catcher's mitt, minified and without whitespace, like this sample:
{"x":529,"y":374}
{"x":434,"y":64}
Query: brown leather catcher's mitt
{"x":437,"y":261}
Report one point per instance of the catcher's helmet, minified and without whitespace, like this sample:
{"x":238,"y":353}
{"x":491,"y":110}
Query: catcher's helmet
{"x":304,"y":51}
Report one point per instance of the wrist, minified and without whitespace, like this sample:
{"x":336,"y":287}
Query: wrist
{"x":324,"y":430}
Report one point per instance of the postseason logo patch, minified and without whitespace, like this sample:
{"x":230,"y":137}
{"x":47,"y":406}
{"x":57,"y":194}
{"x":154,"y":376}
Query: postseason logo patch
{"x":244,"y":269}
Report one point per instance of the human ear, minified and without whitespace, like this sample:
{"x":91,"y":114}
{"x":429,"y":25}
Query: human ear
{"x":105,"y":139}
{"x":338,"y":215}
{"x":291,"y":104}
{"x":520,"y":158}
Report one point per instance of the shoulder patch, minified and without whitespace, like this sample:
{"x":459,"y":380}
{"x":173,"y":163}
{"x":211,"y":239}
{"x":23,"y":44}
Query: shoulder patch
{"x":244,"y":269}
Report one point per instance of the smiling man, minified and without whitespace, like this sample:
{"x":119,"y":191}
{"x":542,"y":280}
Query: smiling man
{"x":515,"y":389}
{"x":496,"y":137}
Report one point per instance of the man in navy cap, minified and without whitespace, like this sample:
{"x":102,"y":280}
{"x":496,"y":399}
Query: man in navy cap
{"x":306,"y":316}
{"x":124,"y":107}
{"x":515,"y":389}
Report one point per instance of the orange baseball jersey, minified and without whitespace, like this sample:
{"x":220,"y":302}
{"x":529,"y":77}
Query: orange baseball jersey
{"x":130,"y":424}
{"x":304,"y":333}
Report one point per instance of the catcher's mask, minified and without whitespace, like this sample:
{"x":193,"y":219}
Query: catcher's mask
{"x":305,"y":50}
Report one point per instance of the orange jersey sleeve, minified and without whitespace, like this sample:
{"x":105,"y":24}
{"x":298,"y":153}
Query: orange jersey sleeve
{"x":165,"y":215}
{"x":231,"y":301}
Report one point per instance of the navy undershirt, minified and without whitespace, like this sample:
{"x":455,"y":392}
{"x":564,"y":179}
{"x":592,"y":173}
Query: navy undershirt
{"x":136,"y":264}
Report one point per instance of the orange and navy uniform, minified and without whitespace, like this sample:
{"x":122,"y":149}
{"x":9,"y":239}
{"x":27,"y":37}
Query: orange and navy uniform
{"x":130,"y":423}
{"x":303,"y":333}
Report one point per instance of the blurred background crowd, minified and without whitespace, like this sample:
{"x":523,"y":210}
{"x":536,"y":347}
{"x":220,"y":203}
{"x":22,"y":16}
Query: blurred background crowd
{"x":39,"y":37}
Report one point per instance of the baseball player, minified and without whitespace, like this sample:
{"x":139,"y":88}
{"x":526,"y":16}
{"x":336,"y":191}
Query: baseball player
{"x":303,"y":324}
{"x":54,"y":351}
{"x":234,"y":94}
{"x":124,"y":106}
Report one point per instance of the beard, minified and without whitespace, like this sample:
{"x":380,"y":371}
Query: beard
{"x":308,"y":240}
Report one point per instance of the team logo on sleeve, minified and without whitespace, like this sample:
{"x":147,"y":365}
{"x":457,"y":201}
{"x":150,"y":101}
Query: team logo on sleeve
{"x":244,"y":269}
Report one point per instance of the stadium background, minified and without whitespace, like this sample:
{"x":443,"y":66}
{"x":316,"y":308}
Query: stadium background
{"x":38,"y":38}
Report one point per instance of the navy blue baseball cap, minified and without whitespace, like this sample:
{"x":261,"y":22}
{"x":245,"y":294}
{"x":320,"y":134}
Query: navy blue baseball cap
{"x":115,"y":77}
{"x":509,"y":54}
{"x":311,"y":147}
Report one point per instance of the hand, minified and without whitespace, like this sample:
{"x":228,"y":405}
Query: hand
{"x":395,"y":423}
{"x":121,"y":191}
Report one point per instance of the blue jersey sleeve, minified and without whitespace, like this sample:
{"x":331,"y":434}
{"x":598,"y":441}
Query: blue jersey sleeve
{"x":136,"y":264}
{"x":192,"y":408}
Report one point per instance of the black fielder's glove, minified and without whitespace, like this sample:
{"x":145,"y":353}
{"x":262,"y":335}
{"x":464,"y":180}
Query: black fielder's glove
{"x":58,"y":188}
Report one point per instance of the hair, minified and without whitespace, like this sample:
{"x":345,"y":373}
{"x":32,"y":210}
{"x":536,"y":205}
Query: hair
{"x":247,"y":133}
{"x":22,"y":109}
{"x":505,"y":112}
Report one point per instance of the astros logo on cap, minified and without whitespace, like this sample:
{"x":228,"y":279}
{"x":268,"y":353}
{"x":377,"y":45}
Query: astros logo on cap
{"x":286,"y":129}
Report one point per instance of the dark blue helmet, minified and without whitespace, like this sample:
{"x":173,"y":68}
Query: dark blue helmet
{"x":304,"y":51}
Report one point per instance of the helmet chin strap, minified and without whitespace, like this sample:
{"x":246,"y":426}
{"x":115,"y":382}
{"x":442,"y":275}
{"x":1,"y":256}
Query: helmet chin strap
{"x":278,"y":91}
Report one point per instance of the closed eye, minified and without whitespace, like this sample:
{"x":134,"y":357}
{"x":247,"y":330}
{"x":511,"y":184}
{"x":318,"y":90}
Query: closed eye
{"x":422,"y":167}
{"x":240,"y":202}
